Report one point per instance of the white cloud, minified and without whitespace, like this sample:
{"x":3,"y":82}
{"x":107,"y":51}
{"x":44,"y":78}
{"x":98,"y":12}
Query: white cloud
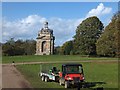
{"x":99,"y":11}
{"x":27,"y":28}
{"x":24,"y":28}
{"x":64,"y":29}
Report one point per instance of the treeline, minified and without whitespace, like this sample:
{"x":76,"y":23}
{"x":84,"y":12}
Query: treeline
{"x":19,"y":47}
{"x":93,"y":39}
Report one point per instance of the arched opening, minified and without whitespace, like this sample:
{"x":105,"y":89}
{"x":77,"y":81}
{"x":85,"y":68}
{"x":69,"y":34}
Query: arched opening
{"x":44,"y":44}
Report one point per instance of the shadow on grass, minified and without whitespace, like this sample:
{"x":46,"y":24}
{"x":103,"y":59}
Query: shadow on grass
{"x":92,"y":84}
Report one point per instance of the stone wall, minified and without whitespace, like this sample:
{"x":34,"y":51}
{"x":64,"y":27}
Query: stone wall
{"x":45,"y":42}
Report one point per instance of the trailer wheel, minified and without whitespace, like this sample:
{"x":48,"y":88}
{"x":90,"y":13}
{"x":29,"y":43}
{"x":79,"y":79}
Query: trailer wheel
{"x":67,"y":84}
{"x":46,"y":79}
{"x":43,"y":78}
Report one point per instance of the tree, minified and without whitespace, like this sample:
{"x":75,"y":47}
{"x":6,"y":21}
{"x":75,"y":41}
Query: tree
{"x":86,"y":36}
{"x":108,"y":44}
{"x":67,"y":48}
{"x":8,"y":47}
{"x":57,"y":50}
{"x":30,"y":47}
{"x":0,"y":48}
{"x":19,"y":47}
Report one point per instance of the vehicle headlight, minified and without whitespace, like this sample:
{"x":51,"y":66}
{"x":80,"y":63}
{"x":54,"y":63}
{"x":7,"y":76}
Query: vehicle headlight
{"x":83,"y":78}
{"x":69,"y":78}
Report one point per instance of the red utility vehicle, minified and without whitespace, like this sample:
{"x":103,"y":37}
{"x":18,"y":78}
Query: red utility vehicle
{"x":72,"y":74}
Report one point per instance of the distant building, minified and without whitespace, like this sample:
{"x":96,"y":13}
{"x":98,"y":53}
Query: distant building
{"x":45,"y":41}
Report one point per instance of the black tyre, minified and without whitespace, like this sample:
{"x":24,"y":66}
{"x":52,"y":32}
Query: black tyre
{"x":67,"y":84}
{"x":43,"y":78}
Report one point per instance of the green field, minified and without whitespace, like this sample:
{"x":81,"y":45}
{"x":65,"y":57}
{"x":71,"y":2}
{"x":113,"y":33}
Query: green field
{"x":101,"y":74}
{"x":34,"y":58}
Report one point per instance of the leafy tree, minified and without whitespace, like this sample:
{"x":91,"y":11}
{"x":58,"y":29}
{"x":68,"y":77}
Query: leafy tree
{"x":19,"y":47}
{"x":30,"y":47}
{"x":86,"y":36}
{"x":0,"y":48}
{"x":67,"y":48}
{"x":108,"y":44}
{"x":57,"y":50}
{"x":8,"y":47}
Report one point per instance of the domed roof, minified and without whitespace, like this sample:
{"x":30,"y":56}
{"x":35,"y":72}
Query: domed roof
{"x":46,"y":29}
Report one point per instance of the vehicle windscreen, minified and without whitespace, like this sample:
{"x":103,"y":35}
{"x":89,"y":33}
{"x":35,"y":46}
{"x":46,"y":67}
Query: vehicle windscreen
{"x":73,"y":69}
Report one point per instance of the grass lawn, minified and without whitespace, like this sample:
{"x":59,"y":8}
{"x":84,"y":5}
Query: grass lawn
{"x":34,"y":58}
{"x":106,"y":73}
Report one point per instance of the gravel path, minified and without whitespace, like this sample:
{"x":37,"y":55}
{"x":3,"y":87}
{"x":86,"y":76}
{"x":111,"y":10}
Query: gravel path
{"x":12,"y":78}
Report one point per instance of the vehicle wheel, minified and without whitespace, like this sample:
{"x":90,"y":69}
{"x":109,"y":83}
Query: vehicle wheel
{"x":67,"y":84}
{"x":46,"y":79}
{"x":60,"y":82}
{"x":43,"y":78}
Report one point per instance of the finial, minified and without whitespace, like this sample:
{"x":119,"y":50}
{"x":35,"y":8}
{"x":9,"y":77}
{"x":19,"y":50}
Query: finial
{"x":46,"y":25}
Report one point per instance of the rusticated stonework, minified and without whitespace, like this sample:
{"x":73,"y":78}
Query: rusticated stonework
{"x":45,"y":41}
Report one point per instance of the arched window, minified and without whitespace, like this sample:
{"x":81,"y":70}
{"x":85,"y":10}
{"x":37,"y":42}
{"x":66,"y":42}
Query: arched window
{"x":44,"y":44}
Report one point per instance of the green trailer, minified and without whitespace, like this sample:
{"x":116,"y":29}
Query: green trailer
{"x":48,"y":73}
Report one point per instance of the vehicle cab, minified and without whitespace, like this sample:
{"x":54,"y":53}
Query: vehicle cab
{"x":71,"y":74}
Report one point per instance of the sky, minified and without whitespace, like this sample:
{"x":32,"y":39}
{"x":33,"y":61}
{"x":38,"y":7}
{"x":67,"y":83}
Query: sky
{"x":23,"y":20}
